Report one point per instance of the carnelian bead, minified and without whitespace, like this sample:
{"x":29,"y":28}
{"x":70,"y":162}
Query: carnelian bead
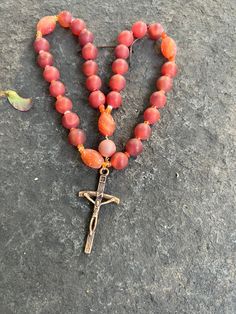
{"x":76,"y":137}
{"x":76,"y":26}
{"x":114,"y":99}
{"x":106,"y":124}
{"x":139,"y":29}
{"x":46,"y":25}
{"x":155,"y":30}
{"x":64,"y":19}
{"x":89,"y":67}
{"x":93,"y":83}
{"x":41,"y":44}
{"x":164,"y":83}
{"x":51,"y":73}
{"x":119,"y":161}
{"x":107,"y":148}
{"x":85,"y":37}
{"x":134,"y":147}
{"x":92,"y":158}
{"x":63,"y":104}
{"x":122,"y":51}
{"x":142,"y":131}
{"x":96,"y":99}
{"x":70,"y":120}
{"x":125,"y":38}
{"x":151,"y":115}
{"x":56,"y":88}
{"x":44,"y":58}
{"x":117,"y":82}
{"x":158,"y":99}
{"x":120,"y":66}
{"x":168,"y":47}
{"x":89,"y":52}
{"x":169,"y":68}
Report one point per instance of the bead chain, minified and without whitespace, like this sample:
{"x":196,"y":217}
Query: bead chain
{"x":106,"y":156}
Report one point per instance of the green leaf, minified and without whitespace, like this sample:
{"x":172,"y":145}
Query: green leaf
{"x":19,"y":103}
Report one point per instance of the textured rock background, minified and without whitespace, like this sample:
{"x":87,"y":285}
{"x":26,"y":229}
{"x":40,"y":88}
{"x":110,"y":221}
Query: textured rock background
{"x":170,"y":246}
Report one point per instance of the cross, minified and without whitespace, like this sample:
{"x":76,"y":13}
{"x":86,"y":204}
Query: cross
{"x":98,"y":202}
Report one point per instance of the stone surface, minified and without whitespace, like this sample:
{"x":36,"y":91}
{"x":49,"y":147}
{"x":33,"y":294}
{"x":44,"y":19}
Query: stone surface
{"x":169,"y":247}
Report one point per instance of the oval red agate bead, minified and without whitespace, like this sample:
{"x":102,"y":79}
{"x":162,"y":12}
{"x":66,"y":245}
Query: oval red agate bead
{"x":114,"y":99}
{"x":139,"y":29}
{"x":89,"y":67}
{"x":168,"y":47}
{"x":56,"y":88}
{"x":142,"y":131}
{"x":85,"y":37}
{"x":76,"y":26}
{"x":106,"y":124}
{"x":164,"y":83}
{"x":119,"y":161}
{"x":41,"y":44}
{"x":89,"y":52}
{"x":125,"y":38}
{"x":51,"y":73}
{"x":76,"y":137}
{"x":92,"y":158}
{"x":117,"y":82}
{"x":63,"y":104}
{"x":134,"y":147}
{"x":64,"y":19}
{"x":107,"y":148}
{"x":120,"y":66}
{"x":170,"y":69}
{"x":96,"y":99}
{"x":46,"y":25}
{"x":93,"y":83}
{"x":155,"y":30}
{"x":122,"y":51}
{"x":70,"y":120}
{"x":151,"y":115}
{"x":44,"y":59}
{"x":158,"y":99}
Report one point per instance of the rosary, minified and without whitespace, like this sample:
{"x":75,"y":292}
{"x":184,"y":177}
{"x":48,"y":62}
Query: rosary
{"x":106,"y":156}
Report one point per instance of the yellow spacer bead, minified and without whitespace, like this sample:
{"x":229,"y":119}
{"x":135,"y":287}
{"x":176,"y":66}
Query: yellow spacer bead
{"x":109,"y":109}
{"x":101,"y":108}
{"x":38,"y":35}
{"x":80,"y":148}
{"x":146,"y":122}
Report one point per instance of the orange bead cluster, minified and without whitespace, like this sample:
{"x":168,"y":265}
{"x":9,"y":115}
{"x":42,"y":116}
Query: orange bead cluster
{"x":106,"y":156}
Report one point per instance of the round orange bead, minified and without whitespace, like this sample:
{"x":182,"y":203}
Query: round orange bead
{"x":168,"y":47}
{"x":46,"y":25}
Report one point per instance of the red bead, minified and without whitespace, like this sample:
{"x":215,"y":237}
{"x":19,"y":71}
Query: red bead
{"x":107,"y":148}
{"x":142,"y":131}
{"x":89,"y":51}
{"x":76,"y":137}
{"x":139,"y":29}
{"x":85,"y":37}
{"x":114,"y":99}
{"x":158,"y":99}
{"x":96,"y":99}
{"x":152,"y":115}
{"x":120,"y":66}
{"x":164,"y":83}
{"x":93,"y":83}
{"x":155,"y":30}
{"x":168,"y":47}
{"x":76,"y":26}
{"x":134,"y":147}
{"x":63,"y":104}
{"x":125,"y":38}
{"x":41,"y":44}
{"x":89,"y":67}
{"x":56,"y":88}
{"x":117,"y":82}
{"x":64,"y":19}
{"x":122,"y":51}
{"x":119,"y":161}
{"x":51,"y":73}
{"x":170,"y":69}
{"x":47,"y":24}
{"x":44,"y":58}
{"x":70,"y":120}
